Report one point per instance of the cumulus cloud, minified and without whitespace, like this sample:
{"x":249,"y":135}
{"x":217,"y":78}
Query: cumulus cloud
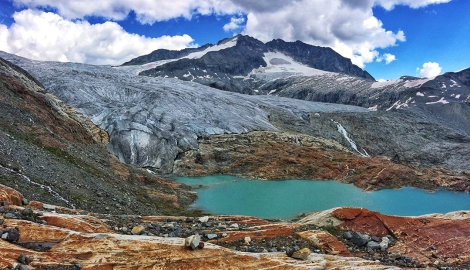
{"x":429,"y":70}
{"x":348,"y":26}
{"x":47,"y":36}
{"x":353,"y":32}
{"x":147,"y":11}
{"x":387,"y":57}
{"x":390,"y":4}
{"x":234,"y":24}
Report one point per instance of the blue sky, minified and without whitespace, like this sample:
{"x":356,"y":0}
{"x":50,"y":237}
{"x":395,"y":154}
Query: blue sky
{"x":388,"y":38}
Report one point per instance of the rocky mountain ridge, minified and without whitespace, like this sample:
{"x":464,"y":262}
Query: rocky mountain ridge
{"x":155,"y":122}
{"x":249,"y":51}
{"x":229,"y":64}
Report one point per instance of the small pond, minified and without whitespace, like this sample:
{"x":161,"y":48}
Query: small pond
{"x":223,"y":194}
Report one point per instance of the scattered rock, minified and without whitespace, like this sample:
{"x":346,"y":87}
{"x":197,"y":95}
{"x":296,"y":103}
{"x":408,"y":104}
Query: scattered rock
{"x":373,"y":245}
{"x":212,"y":236}
{"x":188,"y":240}
{"x":289,"y":251}
{"x":204,"y":219}
{"x":247,"y":240}
{"x":347,"y":235}
{"x":138,"y":230}
{"x":301,"y":254}
{"x":359,"y":239}
{"x":24,"y":259}
{"x":21,"y":267}
{"x":10,"y":216}
{"x":384,"y":243}
{"x":195,"y":241}
{"x":201,"y":245}
{"x":375,"y":239}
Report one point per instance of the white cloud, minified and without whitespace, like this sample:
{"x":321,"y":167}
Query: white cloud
{"x":47,"y":36}
{"x":353,"y":32}
{"x":387,"y":57}
{"x":348,"y":26}
{"x":234,"y":24}
{"x":390,"y":4}
{"x":147,"y":11}
{"x":429,"y":70}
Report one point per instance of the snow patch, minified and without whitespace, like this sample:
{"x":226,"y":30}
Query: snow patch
{"x":385,"y":83}
{"x":343,"y":132}
{"x":419,"y":94}
{"x":195,"y":55}
{"x":216,"y":48}
{"x":272,"y":91}
{"x":373,"y":109}
{"x":416,"y":83}
{"x":280,"y":63}
{"x":442,"y":100}
{"x":457,"y":96}
{"x":454,"y":84}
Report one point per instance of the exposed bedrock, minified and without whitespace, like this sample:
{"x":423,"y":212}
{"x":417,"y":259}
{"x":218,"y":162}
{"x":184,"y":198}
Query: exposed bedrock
{"x":430,"y":239}
{"x":275,"y":155}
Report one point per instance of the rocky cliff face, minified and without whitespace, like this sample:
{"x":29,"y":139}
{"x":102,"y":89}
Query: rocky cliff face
{"x":51,"y":152}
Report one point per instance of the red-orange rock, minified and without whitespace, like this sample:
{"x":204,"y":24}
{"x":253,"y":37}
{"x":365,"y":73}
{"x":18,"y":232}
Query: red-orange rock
{"x":423,"y":238}
{"x":325,"y":241}
{"x":10,"y":195}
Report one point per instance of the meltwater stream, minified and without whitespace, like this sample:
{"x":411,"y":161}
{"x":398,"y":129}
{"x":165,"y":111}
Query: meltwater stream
{"x":222,"y":194}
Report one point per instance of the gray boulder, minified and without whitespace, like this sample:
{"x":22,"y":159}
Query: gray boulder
{"x":359,"y":239}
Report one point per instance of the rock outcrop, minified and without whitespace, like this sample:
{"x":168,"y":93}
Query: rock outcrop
{"x":11,"y":196}
{"x":67,"y":239}
{"x":431,"y":239}
{"x":277,"y":155}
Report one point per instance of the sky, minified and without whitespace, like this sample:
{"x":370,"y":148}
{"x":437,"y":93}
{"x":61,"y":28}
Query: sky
{"x":387,"y":38}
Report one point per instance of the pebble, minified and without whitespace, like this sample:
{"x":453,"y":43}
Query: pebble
{"x":10,"y":216}
{"x":247,"y":240}
{"x":373,"y":245}
{"x":212,"y":236}
{"x":204,"y":219}
{"x":347,"y":235}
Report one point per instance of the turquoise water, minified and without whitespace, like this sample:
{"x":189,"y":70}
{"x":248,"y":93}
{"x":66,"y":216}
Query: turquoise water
{"x":222,"y":194}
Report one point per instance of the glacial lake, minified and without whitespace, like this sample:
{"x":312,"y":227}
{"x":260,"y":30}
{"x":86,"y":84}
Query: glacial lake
{"x":224,"y":194}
